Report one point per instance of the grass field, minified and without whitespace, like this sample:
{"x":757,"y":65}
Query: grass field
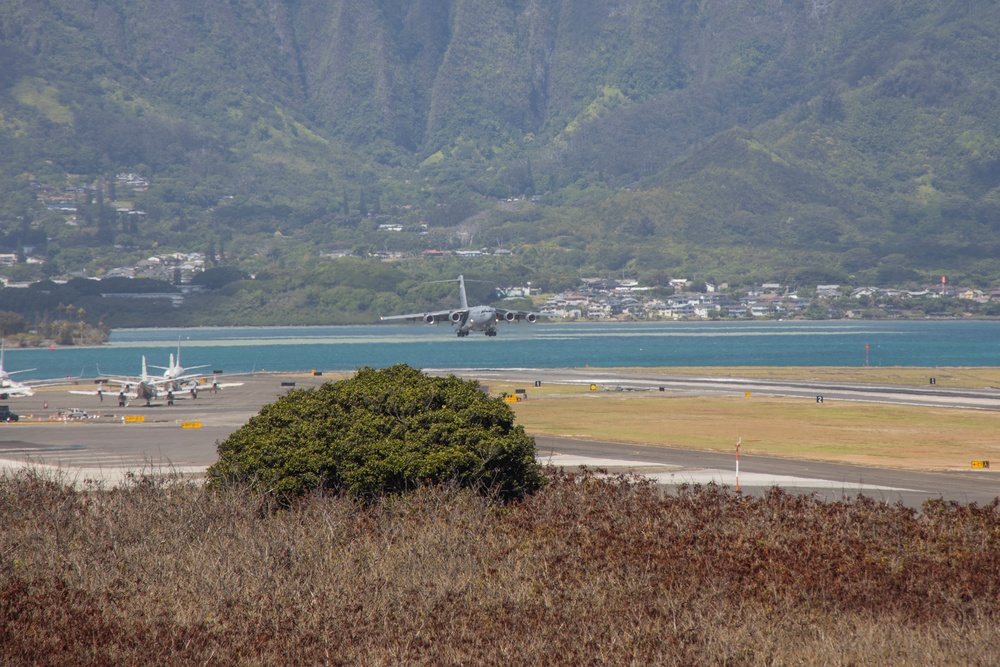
{"x":868,"y":433}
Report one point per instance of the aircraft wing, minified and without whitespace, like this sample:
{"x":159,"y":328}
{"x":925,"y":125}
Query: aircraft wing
{"x":106,"y":392}
{"x":516,"y":315}
{"x":187,"y":368}
{"x":222,"y":385}
{"x":433,"y":316}
{"x":14,"y":388}
{"x":210,"y":381}
{"x":119,"y":380}
{"x":214,"y":380}
{"x":180,"y":380}
{"x":34,"y":384}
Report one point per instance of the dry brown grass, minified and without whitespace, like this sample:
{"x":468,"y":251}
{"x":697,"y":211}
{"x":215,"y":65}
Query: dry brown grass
{"x":885,"y":435}
{"x":586,"y":572}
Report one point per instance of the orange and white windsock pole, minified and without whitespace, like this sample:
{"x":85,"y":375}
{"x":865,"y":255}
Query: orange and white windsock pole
{"x":738,"y":463}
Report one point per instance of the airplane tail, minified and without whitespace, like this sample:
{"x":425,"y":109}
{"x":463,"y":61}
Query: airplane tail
{"x":461,"y":291}
{"x":145,"y":373}
{"x":3,"y":372}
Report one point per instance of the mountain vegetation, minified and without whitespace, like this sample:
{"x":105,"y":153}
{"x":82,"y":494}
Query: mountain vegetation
{"x":803,"y":140}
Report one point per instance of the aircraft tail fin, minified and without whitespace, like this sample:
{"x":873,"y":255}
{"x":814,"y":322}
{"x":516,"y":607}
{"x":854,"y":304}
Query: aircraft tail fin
{"x":461,"y":291}
{"x":145,"y":373}
{"x":4,"y":374}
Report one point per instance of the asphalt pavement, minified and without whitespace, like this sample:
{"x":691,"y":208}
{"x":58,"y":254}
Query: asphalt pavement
{"x":111,"y":441}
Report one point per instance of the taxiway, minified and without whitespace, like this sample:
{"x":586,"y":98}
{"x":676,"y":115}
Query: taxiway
{"x":110,"y":442}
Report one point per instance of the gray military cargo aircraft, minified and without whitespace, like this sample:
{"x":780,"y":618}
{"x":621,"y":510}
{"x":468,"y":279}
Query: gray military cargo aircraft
{"x":469,"y":318}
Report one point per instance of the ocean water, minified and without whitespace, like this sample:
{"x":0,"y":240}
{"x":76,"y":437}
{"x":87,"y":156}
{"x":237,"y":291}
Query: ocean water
{"x":773,"y":343}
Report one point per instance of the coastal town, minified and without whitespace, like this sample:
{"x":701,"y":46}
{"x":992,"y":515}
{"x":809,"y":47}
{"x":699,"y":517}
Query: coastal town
{"x":624,"y":299}
{"x":596,"y":298}
{"x":603,"y":299}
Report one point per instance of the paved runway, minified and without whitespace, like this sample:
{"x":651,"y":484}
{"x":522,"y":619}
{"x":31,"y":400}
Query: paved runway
{"x":831,"y":481}
{"x":641,"y":380}
{"x":105,"y":446}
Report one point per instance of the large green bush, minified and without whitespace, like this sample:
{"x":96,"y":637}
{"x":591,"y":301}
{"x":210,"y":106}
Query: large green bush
{"x":383,"y":431}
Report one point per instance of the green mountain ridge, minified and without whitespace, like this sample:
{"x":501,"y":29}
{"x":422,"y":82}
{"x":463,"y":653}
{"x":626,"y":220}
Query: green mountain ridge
{"x":839,"y":139}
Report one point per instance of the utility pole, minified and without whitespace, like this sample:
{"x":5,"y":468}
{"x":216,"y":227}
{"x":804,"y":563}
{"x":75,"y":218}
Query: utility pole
{"x":738,"y":439}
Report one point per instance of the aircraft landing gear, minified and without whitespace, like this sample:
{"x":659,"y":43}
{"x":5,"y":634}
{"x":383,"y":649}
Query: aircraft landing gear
{"x":462,"y":333}
{"x":491,"y":332}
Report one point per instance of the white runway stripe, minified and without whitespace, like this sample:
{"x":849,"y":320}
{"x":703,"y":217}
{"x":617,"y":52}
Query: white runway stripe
{"x":70,"y":460}
{"x":668,"y":474}
{"x":107,"y":475}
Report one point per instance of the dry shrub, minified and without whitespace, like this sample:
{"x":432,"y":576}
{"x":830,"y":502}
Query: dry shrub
{"x":586,"y":571}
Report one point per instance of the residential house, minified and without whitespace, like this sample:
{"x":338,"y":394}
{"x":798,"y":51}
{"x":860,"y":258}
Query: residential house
{"x":828,"y":291}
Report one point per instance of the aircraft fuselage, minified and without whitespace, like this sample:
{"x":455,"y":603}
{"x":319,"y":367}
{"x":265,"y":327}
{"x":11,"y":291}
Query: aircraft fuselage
{"x":145,"y":391}
{"x":479,"y":318}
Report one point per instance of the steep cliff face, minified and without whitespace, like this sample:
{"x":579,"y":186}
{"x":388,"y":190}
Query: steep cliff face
{"x":369,"y":66}
{"x":845,"y":109}
{"x":421,"y":73}
{"x":418,"y":73}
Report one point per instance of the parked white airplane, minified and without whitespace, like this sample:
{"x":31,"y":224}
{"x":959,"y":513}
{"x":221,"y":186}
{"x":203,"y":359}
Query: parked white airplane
{"x":174,"y":374}
{"x":129,"y":388}
{"x":469,"y":318}
{"x":10,"y":388}
{"x":171,"y":384}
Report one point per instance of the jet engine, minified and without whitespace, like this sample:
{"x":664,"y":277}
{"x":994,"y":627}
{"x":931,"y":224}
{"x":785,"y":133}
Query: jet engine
{"x":530,"y":317}
{"x":456,"y":317}
{"x":428,"y":319}
{"x":510,"y":316}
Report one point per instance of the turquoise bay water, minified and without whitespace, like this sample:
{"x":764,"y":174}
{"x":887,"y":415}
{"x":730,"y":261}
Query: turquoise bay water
{"x":243,"y":349}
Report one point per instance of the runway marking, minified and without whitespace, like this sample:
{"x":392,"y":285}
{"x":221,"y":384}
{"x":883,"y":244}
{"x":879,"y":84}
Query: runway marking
{"x":111,"y":475}
{"x":681,"y":475}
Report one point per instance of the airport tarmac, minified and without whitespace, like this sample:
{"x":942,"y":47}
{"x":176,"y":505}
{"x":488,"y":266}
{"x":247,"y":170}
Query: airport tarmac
{"x":110,"y":441}
{"x":641,"y":380}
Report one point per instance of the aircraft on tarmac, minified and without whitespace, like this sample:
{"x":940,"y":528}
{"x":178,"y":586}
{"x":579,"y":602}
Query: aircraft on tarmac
{"x":147,"y":387}
{"x":174,"y":374}
{"x":129,"y":388}
{"x":469,"y":318}
{"x":10,"y":388}
{"x":176,"y":377}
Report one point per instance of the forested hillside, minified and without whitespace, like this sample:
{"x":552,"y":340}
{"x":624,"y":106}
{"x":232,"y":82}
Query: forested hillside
{"x":796,"y":140}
